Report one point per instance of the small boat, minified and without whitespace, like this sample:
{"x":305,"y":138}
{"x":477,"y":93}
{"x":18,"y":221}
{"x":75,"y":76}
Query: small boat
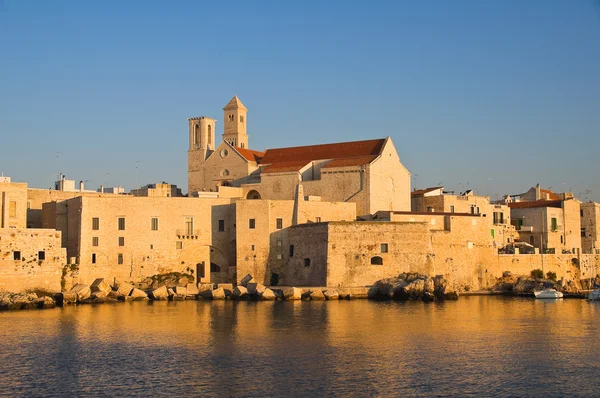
{"x":594,"y":295}
{"x":548,"y":294}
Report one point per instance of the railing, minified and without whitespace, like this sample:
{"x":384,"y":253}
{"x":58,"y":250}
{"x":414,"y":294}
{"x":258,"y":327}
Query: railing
{"x":187,"y":233}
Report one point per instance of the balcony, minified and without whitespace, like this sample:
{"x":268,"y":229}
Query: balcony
{"x":188,"y":234}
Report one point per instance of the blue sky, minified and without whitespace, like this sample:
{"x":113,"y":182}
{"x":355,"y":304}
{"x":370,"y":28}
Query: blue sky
{"x":491,"y":95}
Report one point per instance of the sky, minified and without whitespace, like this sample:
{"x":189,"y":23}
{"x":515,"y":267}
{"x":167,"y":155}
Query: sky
{"x":494,"y":96}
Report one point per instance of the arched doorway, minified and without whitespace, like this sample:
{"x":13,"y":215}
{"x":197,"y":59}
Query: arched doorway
{"x":253,"y":195}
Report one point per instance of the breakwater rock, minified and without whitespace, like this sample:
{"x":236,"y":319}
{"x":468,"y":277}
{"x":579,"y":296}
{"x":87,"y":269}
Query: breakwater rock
{"x":526,"y":284}
{"x":413,"y":286}
{"x":24,"y":301}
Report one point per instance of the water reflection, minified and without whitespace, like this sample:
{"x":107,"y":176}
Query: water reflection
{"x":476,"y":346}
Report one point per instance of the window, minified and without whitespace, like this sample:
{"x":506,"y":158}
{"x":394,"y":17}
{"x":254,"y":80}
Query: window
{"x":318,"y":219}
{"x":241,"y":119}
{"x":279,"y":243}
{"x":291,"y":250}
{"x":562,"y":240}
{"x":154,"y":224}
{"x":519,"y":224}
{"x":13,"y":209}
{"x":252,"y":223}
{"x":581,"y":213}
{"x":554,"y":224}
{"x":189,"y":225}
{"x":472,"y":209}
{"x":120,"y":258}
{"x":307,"y":262}
{"x":95,"y":223}
{"x":496,"y":217}
{"x":279,"y":223}
{"x":215,"y":267}
{"x":121,"y":224}
{"x":95,"y":241}
{"x":583,"y":232}
{"x":279,"y":257}
{"x":16,"y":255}
{"x":376,"y":260}
{"x":221,"y":225}
{"x":532,"y":240}
{"x":179,"y":245}
{"x":41,"y":255}
{"x":242,"y":145}
{"x":151,"y":247}
{"x":252,"y":247}
{"x":429,"y":209}
{"x":121,"y":241}
{"x":93,"y":258}
{"x":478,"y":211}
{"x":384,"y":247}
{"x":451,"y":208}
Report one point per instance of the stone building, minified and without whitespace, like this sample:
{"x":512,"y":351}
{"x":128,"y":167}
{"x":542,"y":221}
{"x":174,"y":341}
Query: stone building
{"x":164,"y":190}
{"x":13,"y":204}
{"x":497,"y":216}
{"x":590,"y":228}
{"x":368,"y":173}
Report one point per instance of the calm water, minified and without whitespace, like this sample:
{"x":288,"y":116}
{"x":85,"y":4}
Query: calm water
{"x":477,"y":346}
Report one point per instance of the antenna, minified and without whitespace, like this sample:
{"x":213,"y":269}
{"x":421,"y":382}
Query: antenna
{"x":137,"y":174}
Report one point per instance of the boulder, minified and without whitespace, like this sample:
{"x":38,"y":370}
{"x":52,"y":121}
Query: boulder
{"x":115,"y":295}
{"x":317,"y":295}
{"x":100,"y":285}
{"x":99,"y":294}
{"x":218,"y":294}
{"x":65,"y":298}
{"x":256,"y":288}
{"x":240,"y":292}
{"x":245,"y":280}
{"x":192,"y":289}
{"x":202,"y":287}
{"x":125,"y":289}
{"x":83,"y":291}
{"x":181,"y":290}
{"x":161,"y":293}
{"x":415,"y":288}
{"x":331,"y":294}
{"x":137,"y":294}
{"x":428,"y":297}
{"x":45,"y":303}
{"x":292,"y":293}
{"x":267,"y":295}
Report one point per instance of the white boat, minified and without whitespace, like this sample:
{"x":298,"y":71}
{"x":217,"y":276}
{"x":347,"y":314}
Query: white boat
{"x":548,"y":294}
{"x":594,"y":295}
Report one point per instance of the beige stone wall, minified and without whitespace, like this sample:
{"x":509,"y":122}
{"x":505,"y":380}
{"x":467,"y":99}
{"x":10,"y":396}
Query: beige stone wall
{"x":13,"y":205}
{"x":590,"y":224}
{"x":389,"y":182}
{"x":160,"y":190}
{"x":40,"y":260}
{"x":144,"y":252}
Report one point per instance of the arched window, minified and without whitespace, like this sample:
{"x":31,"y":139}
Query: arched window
{"x":376,"y":260}
{"x":307,"y":262}
{"x":209,"y":140}
{"x":253,"y":195}
{"x":215,"y":267}
{"x":197,"y":136}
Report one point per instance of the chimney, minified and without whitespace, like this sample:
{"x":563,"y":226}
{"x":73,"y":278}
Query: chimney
{"x":101,"y":188}
{"x":80,"y":186}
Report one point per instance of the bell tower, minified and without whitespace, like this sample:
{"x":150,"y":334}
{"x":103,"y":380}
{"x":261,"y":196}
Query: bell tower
{"x":234,"y":120}
{"x":202,"y":144}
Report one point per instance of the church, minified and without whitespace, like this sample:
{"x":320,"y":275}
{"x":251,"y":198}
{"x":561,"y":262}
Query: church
{"x":368,"y":173}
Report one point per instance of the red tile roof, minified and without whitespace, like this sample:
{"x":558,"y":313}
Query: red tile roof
{"x":284,"y":166}
{"x":324,"y":151}
{"x":551,"y":195}
{"x":346,"y":162}
{"x":249,"y":154}
{"x":535,"y":203}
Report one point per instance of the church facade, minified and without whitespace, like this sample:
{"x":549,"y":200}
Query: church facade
{"x":368,"y":173}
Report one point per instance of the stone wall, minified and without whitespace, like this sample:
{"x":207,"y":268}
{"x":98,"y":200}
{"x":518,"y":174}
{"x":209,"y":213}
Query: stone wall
{"x":13,"y":205}
{"x":31,"y":259}
{"x":590,"y":228}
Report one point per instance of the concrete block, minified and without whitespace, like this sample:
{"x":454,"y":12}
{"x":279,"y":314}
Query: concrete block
{"x":100,"y":285}
{"x":83,"y":291}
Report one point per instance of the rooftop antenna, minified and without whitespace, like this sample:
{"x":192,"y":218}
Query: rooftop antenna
{"x":137,"y":174}
{"x":415,"y":180}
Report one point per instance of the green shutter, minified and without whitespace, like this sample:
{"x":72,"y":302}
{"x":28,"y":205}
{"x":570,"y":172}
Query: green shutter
{"x":554,"y":224}
{"x":493,"y":234}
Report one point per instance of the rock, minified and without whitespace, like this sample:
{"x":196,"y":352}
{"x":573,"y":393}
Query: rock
{"x":227,"y":287}
{"x":240,"y":292}
{"x":317,"y":295}
{"x":218,"y":294}
{"x":292,"y":293}
{"x":99,"y":294}
{"x":256,"y":288}
{"x":83,"y":291}
{"x":162,"y":293}
{"x":202,"y":287}
{"x":245,"y":280}
{"x":415,"y":288}
{"x":267,"y":295}
{"x":170,"y":292}
{"x":137,"y":294}
{"x":100,"y":285}
{"x":181,"y":290}
{"x":65,"y":298}
{"x":192,"y":289}
{"x":125,"y":289}
{"x":428,"y":297}
{"x":331,"y":294}
{"x":45,"y":303}
{"x":115,"y":295}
